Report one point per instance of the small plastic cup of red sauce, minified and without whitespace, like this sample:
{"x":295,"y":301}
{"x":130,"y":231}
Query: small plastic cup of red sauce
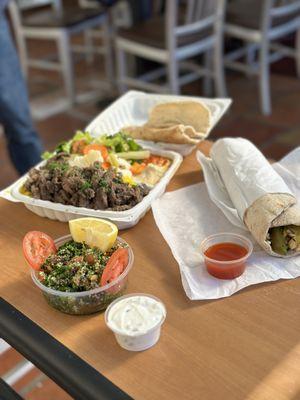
{"x":225,"y":254}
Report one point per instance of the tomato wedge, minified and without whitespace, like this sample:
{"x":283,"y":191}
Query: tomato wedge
{"x":115,"y":266}
{"x":137,"y":168}
{"x":78,"y":146}
{"x":98,"y":147}
{"x":105,"y":165}
{"x":37,"y":246}
{"x":158,"y":160}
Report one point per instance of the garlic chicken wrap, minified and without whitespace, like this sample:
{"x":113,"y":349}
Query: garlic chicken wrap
{"x":244,"y":185}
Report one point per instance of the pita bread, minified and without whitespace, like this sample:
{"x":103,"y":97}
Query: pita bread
{"x":182,"y":122}
{"x":170,"y":134}
{"x":191,"y":113}
{"x":270,"y":211}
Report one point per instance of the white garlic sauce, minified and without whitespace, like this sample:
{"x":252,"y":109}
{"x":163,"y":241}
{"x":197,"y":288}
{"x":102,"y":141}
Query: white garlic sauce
{"x":136,"y":315}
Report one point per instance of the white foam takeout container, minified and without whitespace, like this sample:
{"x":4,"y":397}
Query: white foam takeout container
{"x":131,"y":108}
{"x":123,"y":219}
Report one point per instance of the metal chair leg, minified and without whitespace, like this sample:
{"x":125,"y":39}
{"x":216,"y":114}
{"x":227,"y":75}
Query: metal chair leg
{"x":65,"y":55}
{"x":264,"y":78}
{"x":121,"y":69}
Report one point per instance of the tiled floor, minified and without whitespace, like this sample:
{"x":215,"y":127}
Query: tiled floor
{"x":41,"y":388}
{"x":275,"y":135}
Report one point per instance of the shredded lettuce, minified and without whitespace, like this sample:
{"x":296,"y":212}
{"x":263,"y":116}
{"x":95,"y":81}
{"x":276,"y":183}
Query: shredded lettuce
{"x":119,"y":142}
{"x":64,"y":147}
{"x":79,"y":135}
{"x":47,"y":154}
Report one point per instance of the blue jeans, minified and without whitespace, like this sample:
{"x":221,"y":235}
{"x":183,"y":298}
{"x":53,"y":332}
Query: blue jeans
{"x":24,"y":145}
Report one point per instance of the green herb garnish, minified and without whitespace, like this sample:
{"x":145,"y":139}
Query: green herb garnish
{"x":86,"y":185}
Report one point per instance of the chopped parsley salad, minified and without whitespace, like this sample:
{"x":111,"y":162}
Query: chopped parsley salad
{"x":74,"y":266}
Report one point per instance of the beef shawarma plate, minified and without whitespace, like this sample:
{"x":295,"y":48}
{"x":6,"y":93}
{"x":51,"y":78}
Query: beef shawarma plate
{"x":107,"y":173}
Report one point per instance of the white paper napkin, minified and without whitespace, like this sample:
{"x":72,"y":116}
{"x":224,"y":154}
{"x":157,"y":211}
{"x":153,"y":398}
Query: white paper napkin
{"x":186,"y":216}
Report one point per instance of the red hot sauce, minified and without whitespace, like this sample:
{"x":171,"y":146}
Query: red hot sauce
{"x":225,"y":260}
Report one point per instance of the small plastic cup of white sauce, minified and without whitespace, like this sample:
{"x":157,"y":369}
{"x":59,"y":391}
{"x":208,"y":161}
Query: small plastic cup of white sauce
{"x":136,"y":320}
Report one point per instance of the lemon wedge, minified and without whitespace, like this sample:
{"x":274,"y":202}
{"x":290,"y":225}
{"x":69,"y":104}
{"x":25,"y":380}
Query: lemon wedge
{"x":94,"y":232}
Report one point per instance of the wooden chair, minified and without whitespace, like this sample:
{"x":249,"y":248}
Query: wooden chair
{"x":56,"y":24}
{"x":119,"y":17}
{"x":260,"y":24}
{"x":186,"y":30}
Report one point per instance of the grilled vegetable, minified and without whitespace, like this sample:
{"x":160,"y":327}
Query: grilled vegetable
{"x":285,"y":239}
{"x":135,"y":155}
{"x":278,"y":241}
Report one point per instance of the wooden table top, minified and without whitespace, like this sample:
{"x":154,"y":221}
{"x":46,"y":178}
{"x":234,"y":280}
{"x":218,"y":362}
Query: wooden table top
{"x":246,"y":346}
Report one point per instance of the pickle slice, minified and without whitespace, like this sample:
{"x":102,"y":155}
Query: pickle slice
{"x":278,"y":240}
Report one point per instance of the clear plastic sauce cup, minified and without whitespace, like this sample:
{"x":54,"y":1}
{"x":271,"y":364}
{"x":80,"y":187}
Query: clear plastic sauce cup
{"x":232,"y":252}
{"x":136,"y":320}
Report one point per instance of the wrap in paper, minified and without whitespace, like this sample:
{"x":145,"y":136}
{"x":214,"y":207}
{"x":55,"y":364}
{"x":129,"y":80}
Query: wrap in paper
{"x":244,"y":185}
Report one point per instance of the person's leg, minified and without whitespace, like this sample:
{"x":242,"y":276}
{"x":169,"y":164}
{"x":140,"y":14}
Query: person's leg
{"x":23,"y":143}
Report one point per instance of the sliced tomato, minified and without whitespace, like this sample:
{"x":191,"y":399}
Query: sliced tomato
{"x":78,"y":146}
{"x":98,"y":147}
{"x":115,"y":266}
{"x":105,"y":165}
{"x":137,"y":168}
{"x":158,"y":160}
{"x":37,"y":246}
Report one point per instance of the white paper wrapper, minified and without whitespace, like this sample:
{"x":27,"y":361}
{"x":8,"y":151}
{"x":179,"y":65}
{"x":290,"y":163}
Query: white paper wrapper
{"x":199,"y":218}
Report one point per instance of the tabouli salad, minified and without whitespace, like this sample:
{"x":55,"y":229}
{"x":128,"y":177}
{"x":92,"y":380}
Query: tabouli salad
{"x":91,"y":258}
{"x":105,"y":173}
